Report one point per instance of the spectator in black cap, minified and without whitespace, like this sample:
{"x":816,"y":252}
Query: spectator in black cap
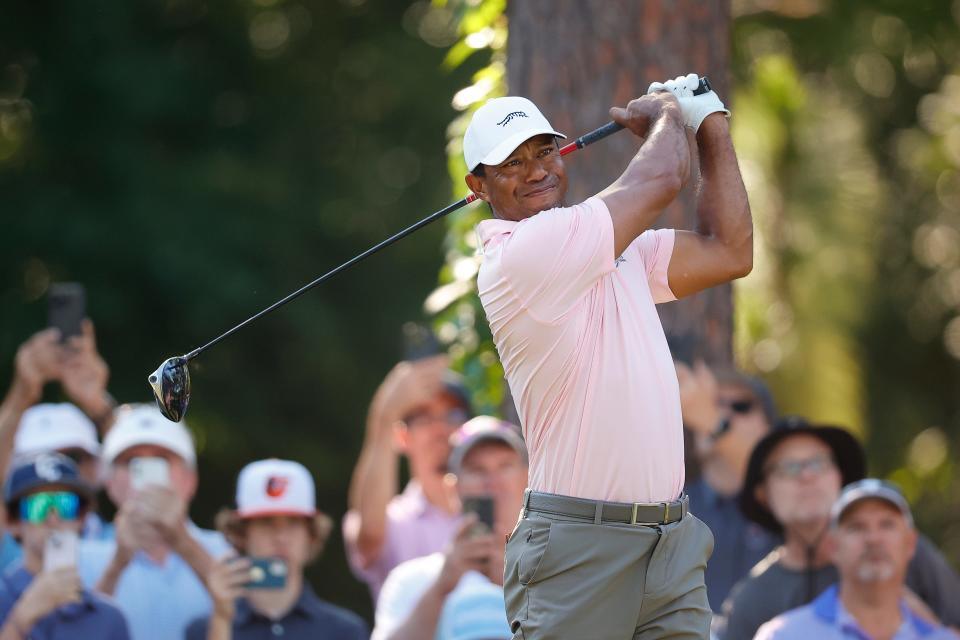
{"x":40,"y":598}
{"x":726,"y":413}
{"x":413,"y":413}
{"x":794,"y":476}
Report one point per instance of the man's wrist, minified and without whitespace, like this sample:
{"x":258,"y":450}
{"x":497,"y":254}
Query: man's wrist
{"x":100,"y":411}
{"x":715,"y":124}
{"x":21,"y":396}
{"x":22,"y":618}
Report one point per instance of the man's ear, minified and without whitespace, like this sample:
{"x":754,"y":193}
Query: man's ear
{"x":476,"y":185}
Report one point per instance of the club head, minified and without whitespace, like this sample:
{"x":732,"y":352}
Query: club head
{"x":171,"y":387}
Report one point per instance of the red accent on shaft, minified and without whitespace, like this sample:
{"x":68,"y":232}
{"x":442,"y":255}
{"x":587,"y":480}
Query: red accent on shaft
{"x":471,"y":198}
{"x":564,"y":150}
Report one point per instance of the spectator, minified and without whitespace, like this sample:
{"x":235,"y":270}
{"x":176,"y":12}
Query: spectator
{"x":458,"y":594}
{"x":63,"y":428}
{"x":157,"y":551}
{"x":871,"y":541}
{"x":276,"y":517}
{"x":793,"y":478}
{"x":44,"y":496}
{"x":83,"y":376}
{"x":414,"y":411}
{"x":727,"y":413}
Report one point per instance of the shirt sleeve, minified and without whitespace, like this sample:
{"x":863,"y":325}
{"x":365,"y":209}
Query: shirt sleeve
{"x":552,"y":260}
{"x":654,"y":248}
{"x":371,"y":574}
{"x":932,"y":578}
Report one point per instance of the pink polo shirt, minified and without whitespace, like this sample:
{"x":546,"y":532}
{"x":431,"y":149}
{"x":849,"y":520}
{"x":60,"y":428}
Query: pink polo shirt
{"x":584,"y":352}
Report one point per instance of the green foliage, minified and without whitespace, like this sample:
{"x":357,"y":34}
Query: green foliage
{"x":458,"y":317}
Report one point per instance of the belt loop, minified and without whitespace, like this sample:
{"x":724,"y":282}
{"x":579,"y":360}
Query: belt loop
{"x":526,"y":503}
{"x":598,"y":512}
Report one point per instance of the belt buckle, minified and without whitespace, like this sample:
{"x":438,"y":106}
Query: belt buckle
{"x":633,"y":516}
{"x":666,"y":513}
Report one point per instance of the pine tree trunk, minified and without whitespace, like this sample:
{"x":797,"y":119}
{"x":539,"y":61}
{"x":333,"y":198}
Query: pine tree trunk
{"x":576,"y":59}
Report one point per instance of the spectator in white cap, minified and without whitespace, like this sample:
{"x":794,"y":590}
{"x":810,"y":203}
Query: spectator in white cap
{"x":430,"y":597}
{"x":278,"y":530}
{"x":82,"y":374}
{"x":872,"y":539}
{"x":156,"y":564}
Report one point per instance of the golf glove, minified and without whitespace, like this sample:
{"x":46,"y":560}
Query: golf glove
{"x":694,"y":108}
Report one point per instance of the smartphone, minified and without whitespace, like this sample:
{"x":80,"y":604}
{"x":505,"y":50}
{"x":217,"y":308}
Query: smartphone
{"x":419,"y":342}
{"x":60,"y":550}
{"x":483,"y":507}
{"x":267,"y":573}
{"x":149,"y":471}
{"x":66,"y":308}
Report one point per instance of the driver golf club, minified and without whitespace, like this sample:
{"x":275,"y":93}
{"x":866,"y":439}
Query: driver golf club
{"x":170,"y":383}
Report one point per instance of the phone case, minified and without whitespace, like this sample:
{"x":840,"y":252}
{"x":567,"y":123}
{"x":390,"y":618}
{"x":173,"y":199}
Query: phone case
{"x":267,"y":573}
{"x":149,"y":471}
{"x":60,"y":550}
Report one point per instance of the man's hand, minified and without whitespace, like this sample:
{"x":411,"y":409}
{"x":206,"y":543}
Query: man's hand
{"x":410,"y":385}
{"x":46,"y":593}
{"x":164,"y":511}
{"x":694,"y":108}
{"x":84,"y":374}
{"x":38,"y":361}
{"x":642,"y":112}
{"x":468,"y":551}
{"x":225,"y":583}
{"x":698,"y":397}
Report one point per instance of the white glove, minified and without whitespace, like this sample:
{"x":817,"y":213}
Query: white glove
{"x":694,"y":108}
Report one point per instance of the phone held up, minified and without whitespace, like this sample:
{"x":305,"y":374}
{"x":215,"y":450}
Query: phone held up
{"x":146,"y":471}
{"x":419,"y":342}
{"x":66,"y":308}
{"x":267,"y":573}
{"x":60,"y":551}
{"x":483,"y":507}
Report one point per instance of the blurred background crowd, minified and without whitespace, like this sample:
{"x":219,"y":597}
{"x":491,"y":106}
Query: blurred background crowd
{"x":189,"y":162}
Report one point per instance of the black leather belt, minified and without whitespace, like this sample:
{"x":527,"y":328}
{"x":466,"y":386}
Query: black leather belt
{"x":599,"y":511}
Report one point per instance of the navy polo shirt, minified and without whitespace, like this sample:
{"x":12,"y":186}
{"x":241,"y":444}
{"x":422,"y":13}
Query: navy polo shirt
{"x":93,"y":617}
{"x":310,"y":617}
{"x":738,"y":543}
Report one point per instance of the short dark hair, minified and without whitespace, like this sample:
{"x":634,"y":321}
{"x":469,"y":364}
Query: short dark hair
{"x":479,"y":171}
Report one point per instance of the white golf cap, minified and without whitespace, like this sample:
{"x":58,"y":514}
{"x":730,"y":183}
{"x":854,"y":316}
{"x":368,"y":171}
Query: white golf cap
{"x":870,"y":488}
{"x":500,"y":126}
{"x":275,"y":487}
{"x":144,"y":424}
{"x":54,"y":427}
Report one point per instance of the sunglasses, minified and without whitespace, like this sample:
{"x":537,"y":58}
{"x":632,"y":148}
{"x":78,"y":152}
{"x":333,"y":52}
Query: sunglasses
{"x":793,"y":469}
{"x":741,"y":406}
{"x":454,"y":417}
{"x":36,"y":507}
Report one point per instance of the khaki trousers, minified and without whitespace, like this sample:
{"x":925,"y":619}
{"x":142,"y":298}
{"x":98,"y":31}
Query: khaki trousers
{"x":569,"y":578}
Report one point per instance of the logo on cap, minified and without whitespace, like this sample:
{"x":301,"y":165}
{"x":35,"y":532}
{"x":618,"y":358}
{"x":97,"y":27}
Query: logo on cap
{"x":277,"y":486}
{"x":48,"y":468}
{"x":511,"y":116}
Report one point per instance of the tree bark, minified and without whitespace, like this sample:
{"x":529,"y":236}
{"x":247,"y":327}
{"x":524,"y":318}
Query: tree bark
{"x":577,"y":58}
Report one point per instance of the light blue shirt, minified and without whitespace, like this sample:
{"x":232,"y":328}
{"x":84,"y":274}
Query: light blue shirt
{"x":826,"y":619}
{"x":158,"y":600}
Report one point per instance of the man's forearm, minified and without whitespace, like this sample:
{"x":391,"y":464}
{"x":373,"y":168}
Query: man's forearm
{"x":723,"y":210}
{"x":651,"y":181}
{"x":194,"y":554}
{"x":107,"y":584}
{"x":422,"y":621}
{"x":11,"y":412}
{"x":375,"y":484}
{"x":220,"y":628}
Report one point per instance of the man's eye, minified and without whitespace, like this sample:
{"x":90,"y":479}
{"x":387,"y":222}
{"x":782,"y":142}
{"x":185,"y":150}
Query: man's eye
{"x":545,"y":152}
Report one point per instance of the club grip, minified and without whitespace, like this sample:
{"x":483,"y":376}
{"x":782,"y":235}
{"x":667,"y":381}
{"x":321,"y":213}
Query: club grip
{"x":598,"y":134}
{"x":703,"y":87}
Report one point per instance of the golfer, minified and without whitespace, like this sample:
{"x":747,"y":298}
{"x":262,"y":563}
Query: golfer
{"x":606,"y":546}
